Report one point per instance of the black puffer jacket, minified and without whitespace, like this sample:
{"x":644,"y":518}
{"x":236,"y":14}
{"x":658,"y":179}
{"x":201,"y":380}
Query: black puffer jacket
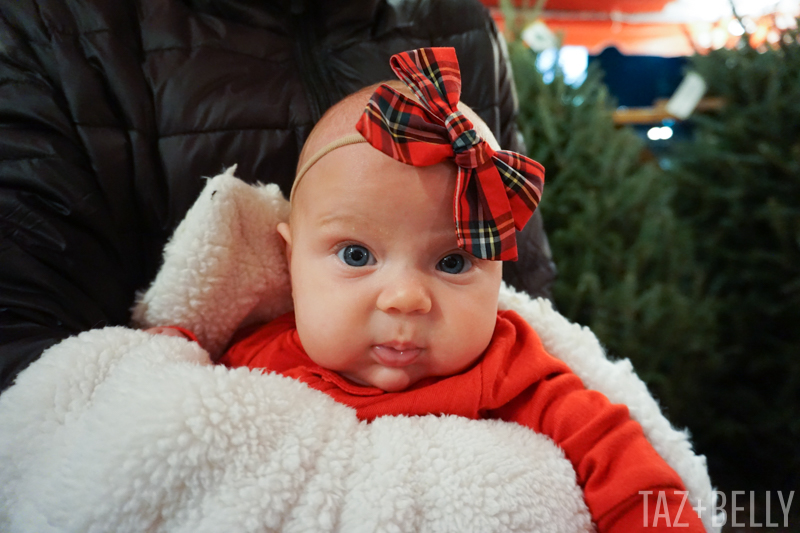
{"x":112,"y":111}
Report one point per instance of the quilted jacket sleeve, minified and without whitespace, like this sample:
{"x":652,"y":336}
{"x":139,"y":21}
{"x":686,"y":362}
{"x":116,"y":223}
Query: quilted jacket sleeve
{"x":52,"y":208}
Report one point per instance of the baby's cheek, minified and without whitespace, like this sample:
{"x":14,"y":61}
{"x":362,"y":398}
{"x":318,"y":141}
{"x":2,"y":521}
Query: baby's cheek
{"x":480,"y":331}
{"x":322,"y":333}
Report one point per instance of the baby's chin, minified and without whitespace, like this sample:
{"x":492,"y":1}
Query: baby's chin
{"x":385,"y":378}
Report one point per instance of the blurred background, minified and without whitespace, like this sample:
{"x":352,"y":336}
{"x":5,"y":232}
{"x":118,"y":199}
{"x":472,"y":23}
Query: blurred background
{"x":670,"y":131}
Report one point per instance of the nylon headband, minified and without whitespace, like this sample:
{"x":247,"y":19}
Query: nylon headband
{"x":353,"y":138}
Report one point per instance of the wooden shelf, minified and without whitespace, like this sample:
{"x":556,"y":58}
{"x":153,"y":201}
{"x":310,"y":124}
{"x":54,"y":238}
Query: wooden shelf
{"x":659,"y":113}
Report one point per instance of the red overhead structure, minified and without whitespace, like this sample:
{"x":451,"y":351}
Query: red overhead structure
{"x":624,"y":6}
{"x":665,"y":40}
{"x":597,"y":24}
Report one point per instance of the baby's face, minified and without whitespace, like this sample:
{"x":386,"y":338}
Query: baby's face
{"x":382,"y":293}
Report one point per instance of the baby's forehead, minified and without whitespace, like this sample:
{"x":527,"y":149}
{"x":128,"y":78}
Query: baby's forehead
{"x":360,"y":180}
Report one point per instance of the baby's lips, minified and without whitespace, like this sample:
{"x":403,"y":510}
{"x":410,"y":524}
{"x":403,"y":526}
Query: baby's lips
{"x":396,"y":355}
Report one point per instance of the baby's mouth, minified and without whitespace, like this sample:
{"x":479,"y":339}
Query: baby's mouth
{"x":396,"y":355}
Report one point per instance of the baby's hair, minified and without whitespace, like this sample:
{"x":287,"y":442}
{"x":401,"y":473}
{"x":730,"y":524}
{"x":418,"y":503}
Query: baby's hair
{"x":340,"y":119}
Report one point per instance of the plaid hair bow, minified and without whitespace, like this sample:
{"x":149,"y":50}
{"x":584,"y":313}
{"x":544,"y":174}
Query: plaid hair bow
{"x":496,"y":191}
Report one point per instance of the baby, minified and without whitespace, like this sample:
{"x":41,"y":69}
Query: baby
{"x":402,"y":212}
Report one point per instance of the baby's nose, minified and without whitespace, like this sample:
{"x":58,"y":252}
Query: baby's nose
{"x":406,"y":293}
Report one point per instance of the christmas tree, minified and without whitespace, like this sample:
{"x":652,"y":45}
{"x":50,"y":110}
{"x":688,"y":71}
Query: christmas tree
{"x":692,"y":273}
{"x":739,"y":188}
{"x":625,"y":261}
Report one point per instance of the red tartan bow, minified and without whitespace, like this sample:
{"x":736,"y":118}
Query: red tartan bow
{"x":496,"y":192}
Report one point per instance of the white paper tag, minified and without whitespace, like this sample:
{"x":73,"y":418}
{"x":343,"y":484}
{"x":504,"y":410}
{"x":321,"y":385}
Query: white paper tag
{"x":687,"y":96}
{"x":539,"y":37}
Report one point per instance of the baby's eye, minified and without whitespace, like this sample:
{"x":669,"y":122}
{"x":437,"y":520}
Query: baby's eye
{"x":454,"y":264}
{"x":356,"y":255}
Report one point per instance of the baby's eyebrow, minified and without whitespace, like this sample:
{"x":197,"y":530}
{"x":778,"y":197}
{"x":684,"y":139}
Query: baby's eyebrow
{"x":334,"y":219}
{"x":342,"y":219}
{"x":335,"y":222}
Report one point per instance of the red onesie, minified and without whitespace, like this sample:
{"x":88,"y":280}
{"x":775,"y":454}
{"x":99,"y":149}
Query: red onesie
{"x":518,"y":381}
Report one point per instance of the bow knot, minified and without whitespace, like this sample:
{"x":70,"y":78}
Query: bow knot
{"x":458,"y":125}
{"x":496,"y":192}
{"x":475,"y":156}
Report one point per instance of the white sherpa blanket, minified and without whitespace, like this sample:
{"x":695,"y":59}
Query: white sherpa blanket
{"x":117,"y":430}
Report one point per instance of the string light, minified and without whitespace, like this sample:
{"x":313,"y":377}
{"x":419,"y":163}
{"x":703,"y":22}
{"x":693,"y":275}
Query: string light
{"x":659,"y":133}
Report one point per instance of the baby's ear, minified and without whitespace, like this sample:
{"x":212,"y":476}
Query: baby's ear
{"x":286,"y":234}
